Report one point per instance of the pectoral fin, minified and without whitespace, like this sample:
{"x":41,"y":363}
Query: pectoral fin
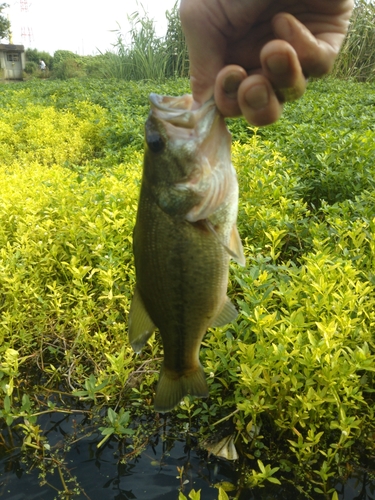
{"x":141,"y":326}
{"x":227,"y":314}
{"x":235,"y":245}
{"x":235,"y":248}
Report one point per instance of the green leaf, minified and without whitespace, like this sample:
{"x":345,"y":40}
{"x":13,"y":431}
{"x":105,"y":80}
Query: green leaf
{"x":9,"y":420}
{"x":226,"y":486}
{"x":222,"y":494}
{"x":106,"y":430}
{"x":7,"y":404}
{"x":261,"y":466}
{"x":273,"y":480}
{"x":112,"y":416}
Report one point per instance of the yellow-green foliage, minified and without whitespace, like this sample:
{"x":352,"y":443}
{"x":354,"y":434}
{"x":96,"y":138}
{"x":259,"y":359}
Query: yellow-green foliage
{"x":295,"y":372}
{"x":36,"y":133}
{"x":65,"y":237}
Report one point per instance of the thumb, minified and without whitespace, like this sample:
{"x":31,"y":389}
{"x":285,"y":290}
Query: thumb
{"x":206,"y":46}
{"x":204,"y":67}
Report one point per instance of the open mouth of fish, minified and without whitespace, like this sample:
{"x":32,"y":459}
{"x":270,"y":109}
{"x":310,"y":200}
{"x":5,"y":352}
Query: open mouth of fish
{"x":201,"y":135}
{"x":183,"y":123}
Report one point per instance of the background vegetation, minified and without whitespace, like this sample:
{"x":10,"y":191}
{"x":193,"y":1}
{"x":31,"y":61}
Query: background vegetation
{"x":292,"y":380}
{"x":145,"y":57}
{"x":4,"y":23}
{"x":357,"y":57}
{"x":148,"y":56}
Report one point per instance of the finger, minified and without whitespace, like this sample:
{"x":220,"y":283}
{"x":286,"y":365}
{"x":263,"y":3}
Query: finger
{"x":206,"y":48}
{"x":258,"y":102}
{"x":227,"y":83}
{"x":280,"y":64}
{"x":316,"y":51}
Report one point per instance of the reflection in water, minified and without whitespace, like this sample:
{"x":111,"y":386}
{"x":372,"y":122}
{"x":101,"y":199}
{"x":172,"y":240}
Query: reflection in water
{"x":80,"y":470}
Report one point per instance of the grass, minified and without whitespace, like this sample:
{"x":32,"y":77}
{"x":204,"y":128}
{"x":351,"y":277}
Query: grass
{"x":293,"y":376}
{"x":357,"y":56}
{"x":142,"y":55}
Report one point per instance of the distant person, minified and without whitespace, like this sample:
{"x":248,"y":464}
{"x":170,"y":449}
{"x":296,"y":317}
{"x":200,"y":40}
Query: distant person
{"x":42,"y":65}
{"x":253,"y":55}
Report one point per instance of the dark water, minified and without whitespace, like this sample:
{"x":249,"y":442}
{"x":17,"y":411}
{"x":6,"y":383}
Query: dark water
{"x":97,"y":474}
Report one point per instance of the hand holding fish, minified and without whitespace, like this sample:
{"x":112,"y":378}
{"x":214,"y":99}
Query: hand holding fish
{"x":253,"y":55}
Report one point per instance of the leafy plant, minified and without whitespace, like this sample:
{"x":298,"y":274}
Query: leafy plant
{"x":118,"y":425}
{"x":292,"y":378}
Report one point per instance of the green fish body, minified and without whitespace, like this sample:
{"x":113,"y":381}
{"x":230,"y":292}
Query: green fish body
{"x":184,"y":235}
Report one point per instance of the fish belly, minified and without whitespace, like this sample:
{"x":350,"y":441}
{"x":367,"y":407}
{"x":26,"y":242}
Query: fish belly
{"x":182,"y":275}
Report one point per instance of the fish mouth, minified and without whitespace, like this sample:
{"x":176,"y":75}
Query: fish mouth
{"x":199,"y":140}
{"x":179,"y":112}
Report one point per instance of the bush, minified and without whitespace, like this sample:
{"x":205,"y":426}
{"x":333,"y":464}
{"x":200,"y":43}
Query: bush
{"x":34,"y":56}
{"x":31,"y":67}
{"x":294,"y":374}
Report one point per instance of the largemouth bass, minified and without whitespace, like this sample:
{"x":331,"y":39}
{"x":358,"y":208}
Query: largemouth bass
{"x":184,"y":235}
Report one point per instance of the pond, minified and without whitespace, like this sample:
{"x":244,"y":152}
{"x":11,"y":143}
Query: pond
{"x":76,"y":468}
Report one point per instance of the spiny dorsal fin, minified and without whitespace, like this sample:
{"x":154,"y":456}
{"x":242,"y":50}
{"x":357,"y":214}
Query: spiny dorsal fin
{"x":227,"y":314}
{"x":141,"y":326}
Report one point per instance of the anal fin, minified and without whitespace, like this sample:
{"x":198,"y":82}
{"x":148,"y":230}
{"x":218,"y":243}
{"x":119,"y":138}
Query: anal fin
{"x":141,"y":326}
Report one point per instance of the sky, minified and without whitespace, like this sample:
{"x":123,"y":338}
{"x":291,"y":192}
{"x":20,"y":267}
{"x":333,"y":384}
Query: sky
{"x":81,"y":26}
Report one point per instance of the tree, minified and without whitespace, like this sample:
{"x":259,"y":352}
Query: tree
{"x":4,"y":23}
{"x":34,"y":55}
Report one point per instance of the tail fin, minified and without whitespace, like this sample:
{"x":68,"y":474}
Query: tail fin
{"x":172,"y":388}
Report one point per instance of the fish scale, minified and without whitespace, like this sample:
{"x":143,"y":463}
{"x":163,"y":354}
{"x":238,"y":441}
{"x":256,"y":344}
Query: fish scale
{"x":184,"y":235}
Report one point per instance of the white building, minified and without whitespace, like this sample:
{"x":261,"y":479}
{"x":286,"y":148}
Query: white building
{"x":12,"y":61}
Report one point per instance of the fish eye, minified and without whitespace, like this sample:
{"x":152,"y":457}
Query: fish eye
{"x":155,"y":142}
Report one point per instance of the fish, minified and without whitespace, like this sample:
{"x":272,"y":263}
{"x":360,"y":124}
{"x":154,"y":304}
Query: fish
{"x":224,"y":448}
{"x":184,"y":236}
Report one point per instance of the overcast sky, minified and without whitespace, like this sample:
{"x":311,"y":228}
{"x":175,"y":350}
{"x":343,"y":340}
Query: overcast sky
{"x":81,"y":26}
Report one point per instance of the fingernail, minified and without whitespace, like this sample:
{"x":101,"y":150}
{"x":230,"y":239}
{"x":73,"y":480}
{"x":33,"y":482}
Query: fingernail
{"x":278,"y":64}
{"x":257,"y":97}
{"x":231,"y":84}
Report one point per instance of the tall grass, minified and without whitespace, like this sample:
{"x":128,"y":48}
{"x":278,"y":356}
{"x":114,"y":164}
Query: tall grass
{"x":357,"y":57}
{"x":176,"y":48}
{"x":148,"y":57}
{"x":142,"y":55}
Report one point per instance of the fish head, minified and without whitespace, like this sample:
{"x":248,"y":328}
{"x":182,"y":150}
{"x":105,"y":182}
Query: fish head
{"x":187,"y":155}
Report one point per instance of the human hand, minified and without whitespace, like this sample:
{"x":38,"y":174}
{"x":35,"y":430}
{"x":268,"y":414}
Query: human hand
{"x":253,"y":55}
